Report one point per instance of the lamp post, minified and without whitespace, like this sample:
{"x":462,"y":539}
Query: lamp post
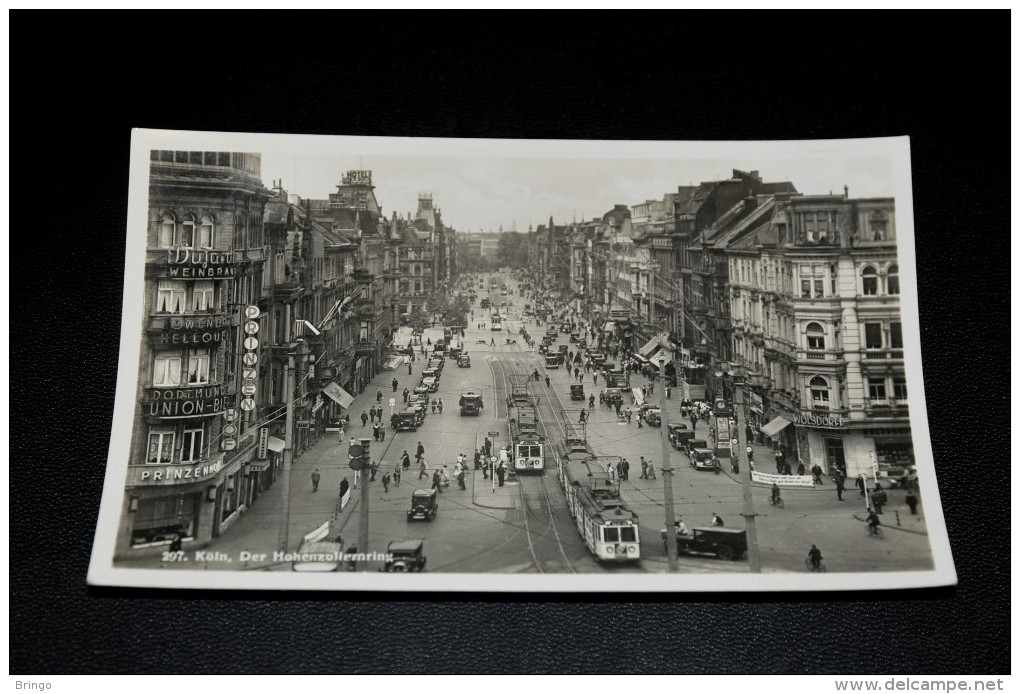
{"x":667,"y":484}
{"x":737,"y":375}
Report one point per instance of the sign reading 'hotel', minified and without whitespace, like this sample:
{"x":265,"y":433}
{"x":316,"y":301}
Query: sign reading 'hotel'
{"x":192,"y":264}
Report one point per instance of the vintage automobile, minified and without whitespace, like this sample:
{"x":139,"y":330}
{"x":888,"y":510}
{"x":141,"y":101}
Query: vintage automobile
{"x":725,"y":543}
{"x":678,"y":433}
{"x":552,"y":361}
{"x":424,"y":504}
{"x":471,"y":403}
{"x":464,"y":361}
{"x":405,"y":556}
{"x":439,"y":347}
{"x":543,"y":348}
{"x":574,"y":337}
{"x":653,"y":415}
{"x":703,"y":459}
{"x":693,"y":443}
{"x":318,"y":555}
{"x":551,"y":332}
{"x":421,"y":389}
{"x":420,"y":399}
{"x":431,"y":384}
{"x":610,"y":393}
{"x":577,"y":392}
{"x":408,"y":420}
{"x":430,"y":372}
{"x":597,"y":358}
{"x":608,"y":366}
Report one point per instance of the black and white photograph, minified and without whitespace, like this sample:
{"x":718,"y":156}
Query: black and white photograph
{"x":519,"y":366}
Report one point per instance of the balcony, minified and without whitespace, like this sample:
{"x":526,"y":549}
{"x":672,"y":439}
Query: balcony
{"x":888,"y":410}
{"x":882,"y":354}
{"x":819,"y":355}
{"x":286,"y":292}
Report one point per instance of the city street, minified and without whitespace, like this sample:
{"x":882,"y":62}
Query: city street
{"x":525,"y":526}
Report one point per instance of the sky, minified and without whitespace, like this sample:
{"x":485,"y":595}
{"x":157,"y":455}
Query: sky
{"x":481,"y":184}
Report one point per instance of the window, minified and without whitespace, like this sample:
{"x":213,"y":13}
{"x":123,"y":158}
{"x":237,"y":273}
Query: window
{"x":628,"y":534}
{"x":205,"y":232}
{"x":191,"y":449}
{"x":204,"y":295}
{"x":899,"y":388}
{"x":819,"y":393}
{"x":819,"y":290}
{"x":186,"y":233}
{"x":161,"y":448}
{"x":896,"y":335}
{"x":815,"y":336}
{"x":876,"y":390}
{"x":166,"y":371}
{"x":892,"y":280}
{"x":198,"y":366}
{"x":170,"y":297}
{"x":805,"y":289}
{"x":167,"y":230}
{"x":872,"y":336}
{"x":611,"y":534}
{"x":869,"y":281}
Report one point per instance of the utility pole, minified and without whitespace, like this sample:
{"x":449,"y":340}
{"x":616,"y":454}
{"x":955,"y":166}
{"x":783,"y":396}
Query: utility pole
{"x":288,"y":453}
{"x":667,"y":482}
{"x":751,"y":526}
{"x":363,"y":511}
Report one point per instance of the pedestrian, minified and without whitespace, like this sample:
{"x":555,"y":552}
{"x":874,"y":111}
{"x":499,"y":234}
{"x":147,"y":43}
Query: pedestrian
{"x":500,"y":472}
{"x":694,"y":422}
{"x":460,"y":477}
{"x":644,"y":468}
{"x":382,"y":431}
{"x":421,"y":468}
{"x":406,"y":394}
{"x":315,"y":480}
{"x":487,"y":446}
{"x":395,"y":385}
{"x":716,"y":521}
{"x":478,"y":460}
{"x":547,"y":380}
{"x":437,"y":481}
{"x":800,"y":468}
{"x":405,"y":460}
{"x":433,"y":407}
{"x":374,"y":469}
{"x":440,"y":406}
{"x":667,"y":392}
{"x":911,"y":501}
{"x":378,"y":396}
{"x":364,"y":419}
{"x":651,"y":471}
{"x":386,"y":483}
{"x":591,"y":401}
{"x":815,"y":558}
{"x":860,"y":484}
{"x":750,"y":452}
{"x":420,"y":452}
{"x":409,"y":367}
{"x":838,"y":479}
{"x":878,"y":498}
{"x":375,"y":432}
{"x":779,"y":462}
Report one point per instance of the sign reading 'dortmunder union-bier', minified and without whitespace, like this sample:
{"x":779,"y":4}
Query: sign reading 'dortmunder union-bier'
{"x":192,"y":264}
{"x":201,"y":401}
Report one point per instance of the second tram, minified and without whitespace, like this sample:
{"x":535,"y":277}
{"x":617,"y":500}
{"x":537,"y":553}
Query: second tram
{"x":528,"y":443}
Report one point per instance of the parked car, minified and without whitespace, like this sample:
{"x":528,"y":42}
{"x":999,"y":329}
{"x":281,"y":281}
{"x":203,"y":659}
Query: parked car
{"x":464,"y":360}
{"x":406,"y":420}
{"x":653,"y":415}
{"x":693,"y":443}
{"x":405,"y":555}
{"x":679,"y":432}
{"x":703,"y":459}
{"x":725,"y":543}
{"x":577,"y":392}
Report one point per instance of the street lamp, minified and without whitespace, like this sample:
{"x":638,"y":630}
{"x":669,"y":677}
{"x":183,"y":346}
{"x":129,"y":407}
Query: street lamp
{"x":738,"y":375}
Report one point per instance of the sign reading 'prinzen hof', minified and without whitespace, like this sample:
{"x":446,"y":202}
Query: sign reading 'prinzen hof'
{"x":192,"y":264}
{"x":201,"y":401}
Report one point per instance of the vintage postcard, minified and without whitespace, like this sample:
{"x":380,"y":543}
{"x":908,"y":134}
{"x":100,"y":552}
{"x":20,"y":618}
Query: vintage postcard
{"x":403,"y":364}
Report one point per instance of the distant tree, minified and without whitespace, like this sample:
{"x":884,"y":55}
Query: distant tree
{"x":513,"y":249}
{"x":419,"y":319}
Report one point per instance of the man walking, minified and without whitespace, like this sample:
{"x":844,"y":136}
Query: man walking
{"x":364,"y":419}
{"x":421,"y":468}
{"x":396,"y":475}
{"x":437,"y":481}
{"x":420,"y":452}
{"x":315,"y":480}
{"x":838,"y":479}
{"x":386,"y":483}
{"x":500,"y":472}
{"x":395,"y":385}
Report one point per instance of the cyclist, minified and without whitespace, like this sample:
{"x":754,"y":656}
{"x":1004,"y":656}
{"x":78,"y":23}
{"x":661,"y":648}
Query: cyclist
{"x":815,"y":558}
{"x":776,"y":497}
{"x":547,"y":380}
{"x":873,"y":522}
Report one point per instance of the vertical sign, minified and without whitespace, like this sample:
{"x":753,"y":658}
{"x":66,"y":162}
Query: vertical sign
{"x":263,"y":449}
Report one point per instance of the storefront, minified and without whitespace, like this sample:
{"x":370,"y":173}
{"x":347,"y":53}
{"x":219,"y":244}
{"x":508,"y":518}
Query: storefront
{"x":835,"y":442}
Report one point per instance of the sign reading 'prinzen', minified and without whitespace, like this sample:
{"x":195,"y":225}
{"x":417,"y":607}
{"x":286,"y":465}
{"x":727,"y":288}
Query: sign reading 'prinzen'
{"x":189,"y":263}
{"x":177,"y":474}
{"x":831,"y":421}
{"x":186,"y":402}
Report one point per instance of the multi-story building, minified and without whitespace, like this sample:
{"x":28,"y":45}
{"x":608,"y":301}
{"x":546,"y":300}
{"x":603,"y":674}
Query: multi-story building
{"x":191,"y":467}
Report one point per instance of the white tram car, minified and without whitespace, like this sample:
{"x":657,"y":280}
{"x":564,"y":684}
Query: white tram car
{"x":528,"y":444}
{"x":608,"y":527}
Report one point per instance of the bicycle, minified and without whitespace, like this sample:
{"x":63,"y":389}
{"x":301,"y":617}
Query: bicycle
{"x":815,"y":568}
{"x":777,"y":501}
{"x":874,"y":530}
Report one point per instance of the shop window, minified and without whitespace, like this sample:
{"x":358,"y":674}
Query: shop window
{"x":819,"y":393}
{"x":231,"y":492}
{"x":166,"y":371}
{"x":205,"y":232}
{"x":167,"y":231}
{"x":198,"y":366}
{"x":876,"y":391}
{"x":170,"y":297}
{"x":873,"y":336}
{"x":158,"y":520}
{"x":892,"y":280}
{"x":899,"y":386}
{"x":869,"y":281}
{"x":161,"y":448}
{"x":815,"y":336}
{"x":203,"y":295}
{"x":191,"y":448}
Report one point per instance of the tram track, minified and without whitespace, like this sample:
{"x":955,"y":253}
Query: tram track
{"x":540,"y":513}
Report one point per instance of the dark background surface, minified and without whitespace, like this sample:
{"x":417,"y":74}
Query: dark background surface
{"x":681,"y":76}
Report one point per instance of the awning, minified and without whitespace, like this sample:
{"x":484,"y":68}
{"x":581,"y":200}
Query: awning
{"x":775,"y":426}
{"x":661,"y":358}
{"x":609,"y":327}
{"x":276,"y":444}
{"x":649,"y":347}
